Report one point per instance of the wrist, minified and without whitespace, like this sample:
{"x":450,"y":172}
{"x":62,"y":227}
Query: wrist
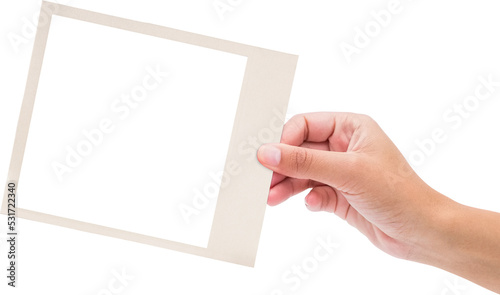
{"x":433,"y":236}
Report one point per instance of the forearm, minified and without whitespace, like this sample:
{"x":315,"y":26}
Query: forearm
{"x":464,"y":241}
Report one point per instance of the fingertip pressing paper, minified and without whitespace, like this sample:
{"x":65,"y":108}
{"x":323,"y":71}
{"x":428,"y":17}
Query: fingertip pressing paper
{"x":148,"y":134}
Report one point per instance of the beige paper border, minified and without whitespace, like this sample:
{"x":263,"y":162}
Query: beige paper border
{"x":241,"y":205}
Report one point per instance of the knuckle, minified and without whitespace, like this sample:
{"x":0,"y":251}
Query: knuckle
{"x":294,"y":121}
{"x":366,"y":118}
{"x":302,"y":159}
{"x":291,"y":128}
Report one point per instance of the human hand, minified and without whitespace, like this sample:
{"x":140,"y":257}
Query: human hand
{"x":356,"y":172}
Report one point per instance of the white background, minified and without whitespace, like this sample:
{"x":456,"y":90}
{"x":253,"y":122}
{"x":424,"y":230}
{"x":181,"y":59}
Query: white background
{"x":427,"y":59}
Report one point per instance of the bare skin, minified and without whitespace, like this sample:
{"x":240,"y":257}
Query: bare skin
{"x":356,"y":172}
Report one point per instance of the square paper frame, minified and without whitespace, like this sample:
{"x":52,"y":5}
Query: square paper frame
{"x":263,"y":102}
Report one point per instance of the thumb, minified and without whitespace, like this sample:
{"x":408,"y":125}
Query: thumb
{"x":332,"y":168}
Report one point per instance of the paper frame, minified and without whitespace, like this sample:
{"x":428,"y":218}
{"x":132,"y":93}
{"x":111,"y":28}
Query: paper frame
{"x":264,"y":96}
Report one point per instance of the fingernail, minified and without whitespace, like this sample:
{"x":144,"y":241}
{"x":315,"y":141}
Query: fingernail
{"x":270,"y":155}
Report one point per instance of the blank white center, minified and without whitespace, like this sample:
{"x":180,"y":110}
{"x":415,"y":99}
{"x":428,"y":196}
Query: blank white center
{"x":115,"y":142}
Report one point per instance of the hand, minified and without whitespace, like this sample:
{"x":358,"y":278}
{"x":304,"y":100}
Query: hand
{"x":356,"y":172}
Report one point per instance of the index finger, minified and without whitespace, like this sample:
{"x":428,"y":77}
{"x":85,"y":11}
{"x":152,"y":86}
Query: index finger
{"x":319,"y":127}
